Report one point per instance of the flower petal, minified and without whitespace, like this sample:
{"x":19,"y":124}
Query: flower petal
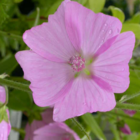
{"x":2,"y":94}
{"x":131,"y":113}
{"x":47,"y":78}
{"x":87,"y":30}
{"x":50,"y":40}
{"x":30,"y":128}
{"x":85,"y":95}
{"x":112,"y":65}
{"x":56,"y":131}
{"x":47,"y":116}
{"x":4,"y":130}
{"x":126,"y":130}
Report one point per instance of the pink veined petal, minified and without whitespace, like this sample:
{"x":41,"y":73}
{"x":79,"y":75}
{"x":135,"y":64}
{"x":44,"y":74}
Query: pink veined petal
{"x":87,"y":30}
{"x":49,"y":80}
{"x":85,"y":95}
{"x":4,"y":130}
{"x":2,"y":94}
{"x":126,"y":130}
{"x":112,"y":65}
{"x":47,"y":116}
{"x":56,"y":131}
{"x":50,"y":40}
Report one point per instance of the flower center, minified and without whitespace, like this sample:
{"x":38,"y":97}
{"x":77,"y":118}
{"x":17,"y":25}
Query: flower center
{"x":77,"y":63}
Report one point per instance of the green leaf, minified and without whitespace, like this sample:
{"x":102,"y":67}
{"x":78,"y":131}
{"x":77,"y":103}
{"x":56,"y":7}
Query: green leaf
{"x":118,"y":13}
{"x":134,"y":19}
{"x":134,"y":125}
{"x":3,"y":114}
{"x":8,"y":64}
{"x":96,"y":5}
{"x":18,"y":1}
{"x":135,"y":28}
{"x":3,"y":15}
{"x":54,"y":7}
{"x":19,"y":100}
{"x":83,"y":2}
{"x":90,"y":121}
{"x":138,"y":138}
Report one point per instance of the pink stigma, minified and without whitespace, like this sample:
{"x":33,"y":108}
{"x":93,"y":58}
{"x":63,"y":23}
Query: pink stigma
{"x":77,"y":63}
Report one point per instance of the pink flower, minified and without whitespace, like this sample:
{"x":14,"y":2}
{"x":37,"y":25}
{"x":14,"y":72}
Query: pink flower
{"x":2,"y":95}
{"x":49,"y":130}
{"x":130,"y":112}
{"x":126,"y":130}
{"x":77,"y":61}
{"x":46,"y":119}
{"x":5,"y":129}
{"x":55,"y":131}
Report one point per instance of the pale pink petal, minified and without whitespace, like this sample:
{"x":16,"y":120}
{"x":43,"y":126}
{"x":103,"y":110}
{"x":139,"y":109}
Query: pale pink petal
{"x":56,"y":131}
{"x":47,"y":78}
{"x":50,"y":40}
{"x":9,"y":124}
{"x":130,"y":112}
{"x":87,"y":30}
{"x":4,"y":130}
{"x":30,"y":128}
{"x":47,"y":116}
{"x":112,"y":65}
{"x":2,"y":94}
{"x":126,"y":130}
{"x":86,"y":95}
{"x":28,"y":132}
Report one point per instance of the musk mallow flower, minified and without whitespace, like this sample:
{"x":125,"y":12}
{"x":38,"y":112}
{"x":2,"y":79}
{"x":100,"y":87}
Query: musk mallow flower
{"x":77,"y":61}
{"x":47,"y":129}
{"x":5,"y":126}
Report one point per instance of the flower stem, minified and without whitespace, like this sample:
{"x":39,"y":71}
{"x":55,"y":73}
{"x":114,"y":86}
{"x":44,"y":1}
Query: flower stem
{"x":11,"y":35}
{"x":81,"y":128}
{"x":21,"y":131}
{"x":123,"y":116}
{"x":128,"y":106}
{"x":15,"y":85}
{"x":129,"y":97}
{"x":37,"y":16}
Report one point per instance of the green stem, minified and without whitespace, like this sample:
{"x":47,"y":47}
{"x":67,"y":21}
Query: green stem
{"x":11,"y":35}
{"x":128,"y":97}
{"x":128,"y":106}
{"x":15,"y":85}
{"x":123,"y":116}
{"x":81,"y":128}
{"x":21,"y":131}
{"x":37,"y":16}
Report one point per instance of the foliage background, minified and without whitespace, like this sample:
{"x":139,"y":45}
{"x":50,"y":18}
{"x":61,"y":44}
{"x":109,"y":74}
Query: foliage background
{"x":16,"y":16}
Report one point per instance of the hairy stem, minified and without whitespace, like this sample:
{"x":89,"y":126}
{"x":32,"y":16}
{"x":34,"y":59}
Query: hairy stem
{"x":15,"y":85}
{"x":81,"y":128}
{"x":128,"y":106}
{"x":10,"y":35}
